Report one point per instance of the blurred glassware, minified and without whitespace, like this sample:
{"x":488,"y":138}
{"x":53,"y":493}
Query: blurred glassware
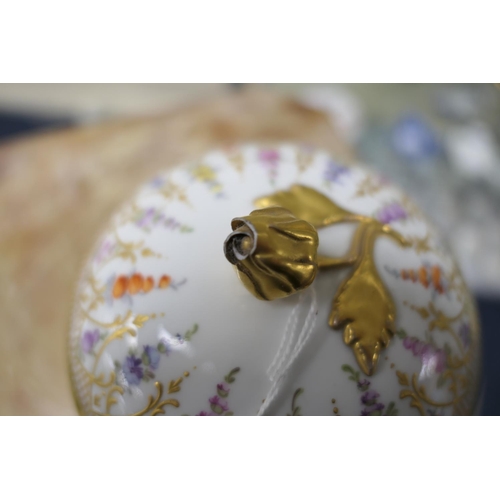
{"x":473,"y":152}
{"x":342,"y":107}
{"x":413,"y":139}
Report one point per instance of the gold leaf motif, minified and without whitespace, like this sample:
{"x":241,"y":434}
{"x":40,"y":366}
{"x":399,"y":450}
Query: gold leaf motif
{"x":415,"y":403}
{"x":174,"y":385}
{"x":126,"y":324}
{"x":422,"y":311}
{"x":147,"y":252}
{"x":110,"y":399}
{"x":369,"y":186}
{"x":421,"y":245}
{"x":204,"y":173}
{"x":140,"y":319}
{"x":305,"y":158}
{"x":457,"y":377}
{"x":157,"y":407}
{"x":362,"y":304}
{"x":310,"y":205}
{"x":236,"y":160}
{"x":403,"y":378}
{"x":172,"y":192}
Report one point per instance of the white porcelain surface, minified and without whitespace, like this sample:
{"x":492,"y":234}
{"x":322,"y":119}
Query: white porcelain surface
{"x":175,"y":228}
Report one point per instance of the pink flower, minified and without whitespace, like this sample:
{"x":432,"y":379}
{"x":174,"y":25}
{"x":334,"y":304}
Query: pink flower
{"x":104,"y":251}
{"x":417,"y":348}
{"x":409,"y":342}
{"x":441,"y":361}
{"x":223,"y":390}
{"x":269,"y":155}
{"x":218,"y":405}
{"x":434,"y":360}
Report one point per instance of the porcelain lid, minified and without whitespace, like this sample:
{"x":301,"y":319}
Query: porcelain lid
{"x":163,"y":323}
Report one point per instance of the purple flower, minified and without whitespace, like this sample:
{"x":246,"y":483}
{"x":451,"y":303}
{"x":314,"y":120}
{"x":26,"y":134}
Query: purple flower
{"x":363,"y":384}
{"x":89,"y":340}
{"x":464,"y":333}
{"x":218,"y":405}
{"x":334,"y":171}
{"x":157,"y":182}
{"x":369,"y":397}
{"x":223,"y":390}
{"x":146,"y":217}
{"x":171,"y":223}
{"x":433,"y":360}
{"x":373,"y":410}
{"x":132,"y":370}
{"x":151,"y":357}
{"x":414,"y":345}
{"x":392,"y":212}
{"x":104,"y":251}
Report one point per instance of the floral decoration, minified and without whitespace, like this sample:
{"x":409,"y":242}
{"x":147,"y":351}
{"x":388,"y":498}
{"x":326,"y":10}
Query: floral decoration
{"x":269,"y":159}
{"x":208,"y":176}
{"x":218,"y":403}
{"x":296,"y":410}
{"x":392,"y":212}
{"x":334,"y":172}
{"x":427,"y":275}
{"x":151,"y":218}
{"x":89,"y":340}
{"x":433,"y":359}
{"x":136,"y":283}
{"x":140,"y":366}
{"x":371,"y":406}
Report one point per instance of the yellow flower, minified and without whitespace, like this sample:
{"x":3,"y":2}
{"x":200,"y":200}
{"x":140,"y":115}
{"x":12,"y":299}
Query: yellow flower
{"x":204,"y":173}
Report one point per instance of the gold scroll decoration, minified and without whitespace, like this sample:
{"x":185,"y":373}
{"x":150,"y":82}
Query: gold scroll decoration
{"x":274,"y":252}
{"x":362,"y":305}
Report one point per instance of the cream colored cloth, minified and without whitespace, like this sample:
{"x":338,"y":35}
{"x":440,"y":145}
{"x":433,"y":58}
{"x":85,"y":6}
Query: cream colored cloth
{"x":56,"y":192}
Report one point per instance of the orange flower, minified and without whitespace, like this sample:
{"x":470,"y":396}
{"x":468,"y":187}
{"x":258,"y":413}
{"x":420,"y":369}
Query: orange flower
{"x":165,"y":281}
{"x":413,"y":275}
{"x":148,"y":284}
{"x":422,"y":276}
{"x":404,"y":274}
{"x":135,"y":284}
{"x":120,"y":287}
{"x":436,"y":278}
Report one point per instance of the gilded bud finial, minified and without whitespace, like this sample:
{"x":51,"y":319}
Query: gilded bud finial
{"x":275,"y":253}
